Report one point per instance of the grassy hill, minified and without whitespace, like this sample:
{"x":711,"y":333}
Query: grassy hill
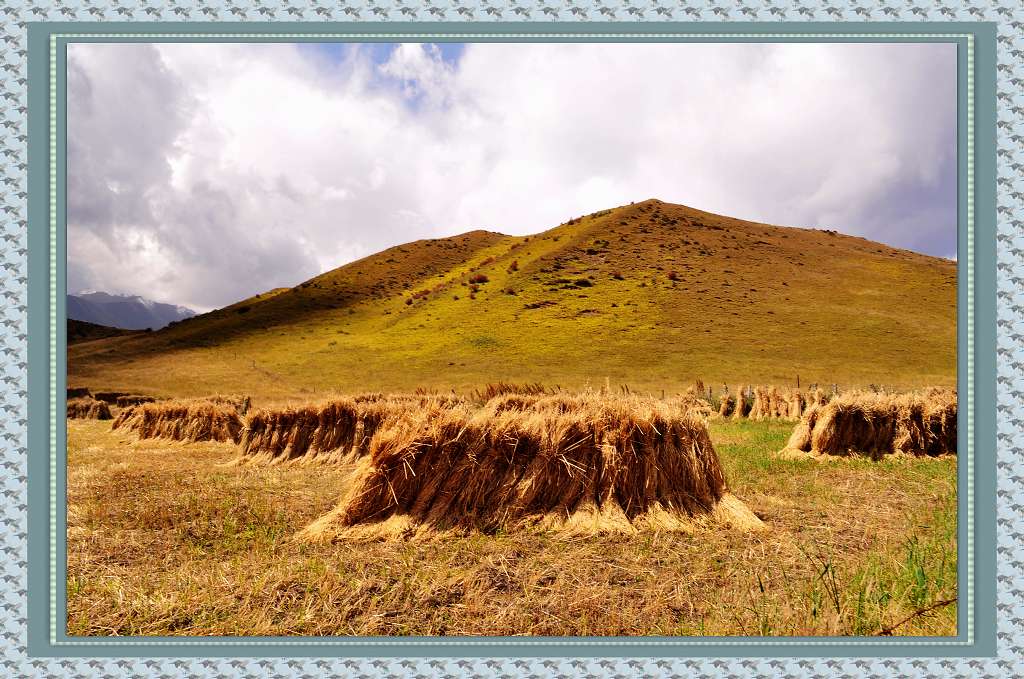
{"x":83,"y":331}
{"x":651,"y":295}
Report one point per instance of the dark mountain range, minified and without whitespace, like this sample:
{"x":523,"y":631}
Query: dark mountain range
{"x":129,"y":312}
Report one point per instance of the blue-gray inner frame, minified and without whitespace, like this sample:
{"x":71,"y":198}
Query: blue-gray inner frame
{"x":48,"y":595}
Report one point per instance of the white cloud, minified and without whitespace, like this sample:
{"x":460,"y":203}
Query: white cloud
{"x":244,"y":167}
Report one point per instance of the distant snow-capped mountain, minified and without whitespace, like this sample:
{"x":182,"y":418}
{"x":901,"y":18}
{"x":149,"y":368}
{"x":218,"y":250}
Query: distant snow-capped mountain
{"x":131,"y":312}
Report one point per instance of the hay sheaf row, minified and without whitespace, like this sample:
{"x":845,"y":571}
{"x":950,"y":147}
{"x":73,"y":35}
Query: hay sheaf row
{"x":859,"y":423}
{"x":118,"y":398}
{"x":339,"y":431}
{"x":333,"y":432}
{"x":241,"y":404}
{"x":693,"y":402}
{"x":110,"y":397}
{"x":769,"y":403}
{"x":133,"y":400}
{"x":88,"y":408}
{"x":191,"y":421}
{"x":597,"y":464}
{"x":495,"y":389}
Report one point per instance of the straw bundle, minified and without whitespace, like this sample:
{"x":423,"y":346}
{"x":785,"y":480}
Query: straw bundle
{"x":879,"y":424}
{"x":726,"y":405}
{"x":797,"y":404}
{"x":762,"y":406}
{"x":495,"y":389}
{"x":88,"y":409}
{"x":607,"y":465}
{"x":698,"y":388}
{"x":133,"y":400}
{"x":743,"y":406}
{"x":818,"y":398}
{"x":692,"y":402}
{"x":425,"y":399}
{"x":500,"y":404}
{"x":240,"y":403}
{"x":109,"y":397}
{"x":778,"y":404}
{"x":940,"y":416}
{"x":190,"y":421}
{"x":800,"y":439}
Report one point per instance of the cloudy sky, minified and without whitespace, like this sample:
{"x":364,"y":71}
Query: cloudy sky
{"x":202,"y":174}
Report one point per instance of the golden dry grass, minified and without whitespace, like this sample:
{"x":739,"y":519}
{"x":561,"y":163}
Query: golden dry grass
{"x":163,"y":540}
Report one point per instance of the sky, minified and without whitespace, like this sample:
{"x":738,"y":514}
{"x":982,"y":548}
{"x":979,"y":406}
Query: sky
{"x":202,"y":174}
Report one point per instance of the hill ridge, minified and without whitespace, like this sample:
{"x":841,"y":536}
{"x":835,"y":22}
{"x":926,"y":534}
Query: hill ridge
{"x":649,"y":293}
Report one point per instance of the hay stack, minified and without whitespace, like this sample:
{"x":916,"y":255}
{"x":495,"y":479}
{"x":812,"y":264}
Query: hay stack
{"x":778,"y":404}
{"x":761,"y":409}
{"x":743,"y":406}
{"x":109,"y":397}
{"x":818,"y":398}
{"x":692,"y":402}
{"x":241,"y":404}
{"x":940,"y":416}
{"x":278,"y":436}
{"x":610,"y":464}
{"x":699,"y":388}
{"x":426,"y":399}
{"x":133,"y":400}
{"x":495,"y":389}
{"x":879,"y":424}
{"x":88,"y":409}
{"x":332,"y":433}
{"x":771,"y":404}
{"x":797,"y":404}
{"x":561,"y":402}
{"x":190,"y":421}
{"x":519,"y":402}
{"x":726,"y":405}
{"x":800,"y":439}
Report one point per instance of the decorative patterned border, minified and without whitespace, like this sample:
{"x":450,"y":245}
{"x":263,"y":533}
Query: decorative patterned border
{"x":1008,"y":16}
{"x":58,"y":457}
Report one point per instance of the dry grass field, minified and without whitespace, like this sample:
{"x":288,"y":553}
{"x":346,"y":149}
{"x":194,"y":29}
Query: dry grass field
{"x":164,"y":539}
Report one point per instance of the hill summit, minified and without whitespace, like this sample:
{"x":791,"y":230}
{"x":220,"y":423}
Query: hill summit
{"x":651,"y":295}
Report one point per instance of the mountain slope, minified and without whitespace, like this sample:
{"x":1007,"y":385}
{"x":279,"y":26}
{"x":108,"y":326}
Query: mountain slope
{"x":651,"y":295}
{"x":129,"y":312}
{"x":83,"y":331}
